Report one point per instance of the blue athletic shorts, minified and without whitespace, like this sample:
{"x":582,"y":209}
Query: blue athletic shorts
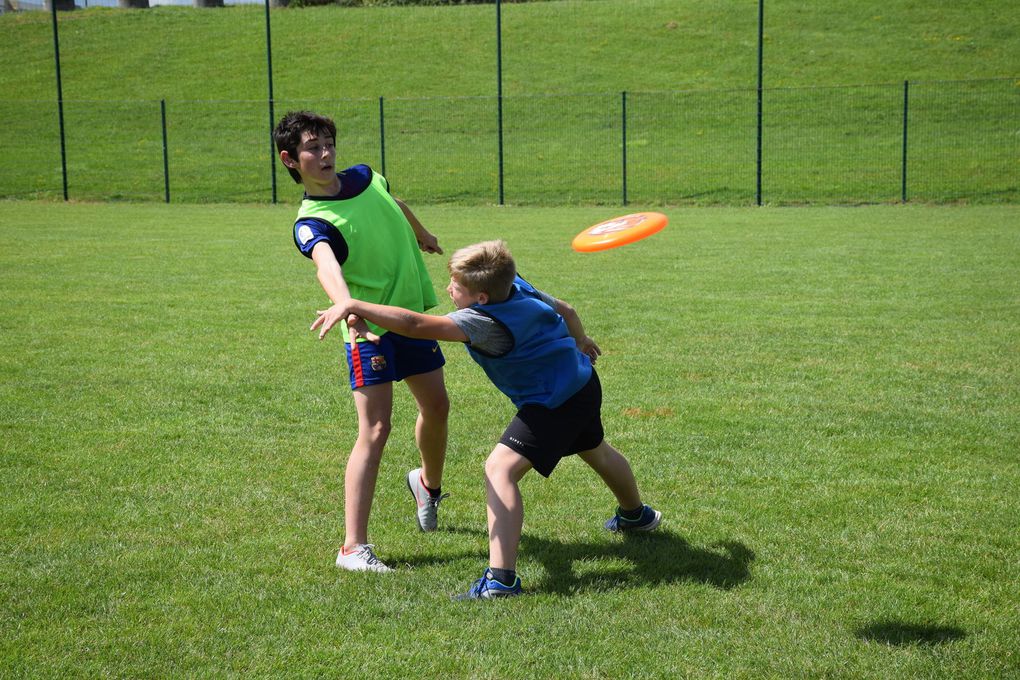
{"x":395,"y":357}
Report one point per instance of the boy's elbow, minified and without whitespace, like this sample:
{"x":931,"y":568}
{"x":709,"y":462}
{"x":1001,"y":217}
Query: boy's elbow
{"x":421,"y":326}
{"x":412,"y":325}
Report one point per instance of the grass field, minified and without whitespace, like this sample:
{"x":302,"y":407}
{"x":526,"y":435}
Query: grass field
{"x":823,"y":402}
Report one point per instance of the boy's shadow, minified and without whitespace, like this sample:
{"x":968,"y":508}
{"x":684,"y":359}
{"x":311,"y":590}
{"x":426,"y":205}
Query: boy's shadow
{"x":652,"y":558}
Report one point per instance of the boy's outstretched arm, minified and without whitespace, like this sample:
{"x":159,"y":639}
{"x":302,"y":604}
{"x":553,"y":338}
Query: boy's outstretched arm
{"x":576,"y":329}
{"x":331,"y":278}
{"x":396,"y":319}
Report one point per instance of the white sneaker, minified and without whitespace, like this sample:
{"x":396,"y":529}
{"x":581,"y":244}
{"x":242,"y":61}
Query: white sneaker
{"x":360,"y":558}
{"x":428,"y":507}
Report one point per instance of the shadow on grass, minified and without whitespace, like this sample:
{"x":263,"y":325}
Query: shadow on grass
{"x":618,"y":562}
{"x":900,"y":633}
{"x":653,"y":558}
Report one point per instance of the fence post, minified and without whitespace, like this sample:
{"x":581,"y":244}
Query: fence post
{"x":272,"y":114}
{"x":906,"y":102}
{"x":60,"y":96}
{"x":382,"y":137}
{"x":623,"y":97}
{"x":166,"y":161}
{"x":761,"y":37}
{"x":499,"y":94}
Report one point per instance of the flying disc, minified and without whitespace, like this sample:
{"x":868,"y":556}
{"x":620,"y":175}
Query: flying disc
{"x":619,"y":231}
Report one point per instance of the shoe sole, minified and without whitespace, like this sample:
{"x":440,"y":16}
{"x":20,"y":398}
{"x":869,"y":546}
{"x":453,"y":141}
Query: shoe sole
{"x":340,"y":565}
{"x":464,"y":597}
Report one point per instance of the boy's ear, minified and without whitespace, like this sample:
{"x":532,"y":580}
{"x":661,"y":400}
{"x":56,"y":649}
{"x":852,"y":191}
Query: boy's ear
{"x":483,"y":298}
{"x":287,"y":160}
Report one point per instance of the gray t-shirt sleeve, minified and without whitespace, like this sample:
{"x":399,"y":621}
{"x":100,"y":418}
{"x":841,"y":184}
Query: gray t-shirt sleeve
{"x":546,"y":298}
{"x":484,"y":333}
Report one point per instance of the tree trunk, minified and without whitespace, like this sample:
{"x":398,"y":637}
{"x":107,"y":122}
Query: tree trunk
{"x":133,"y":4}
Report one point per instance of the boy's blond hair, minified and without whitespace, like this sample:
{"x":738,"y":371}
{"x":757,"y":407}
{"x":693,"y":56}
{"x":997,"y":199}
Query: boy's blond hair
{"x":486,"y":267}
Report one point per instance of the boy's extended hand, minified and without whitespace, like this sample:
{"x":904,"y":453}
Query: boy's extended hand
{"x":428,"y":243}
{"x":588,"y":346}
{"x":357,"y":326}
{"x":359,"y":329}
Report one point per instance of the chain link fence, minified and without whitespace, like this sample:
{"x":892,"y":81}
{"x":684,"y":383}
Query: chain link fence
{"x":918,"y":141}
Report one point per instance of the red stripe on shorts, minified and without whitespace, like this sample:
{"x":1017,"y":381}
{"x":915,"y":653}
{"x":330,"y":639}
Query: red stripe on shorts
{"x":359,"y":378}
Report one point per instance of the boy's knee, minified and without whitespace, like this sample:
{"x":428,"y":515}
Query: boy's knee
{"x":437,"y":409}
{"x":377,"y":431}
{"x":500,"y":467}
{"x":494,"y":470}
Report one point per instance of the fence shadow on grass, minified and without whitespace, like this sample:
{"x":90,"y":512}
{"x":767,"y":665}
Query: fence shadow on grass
{"x":902,"y":633}
{"x":636,"y":559}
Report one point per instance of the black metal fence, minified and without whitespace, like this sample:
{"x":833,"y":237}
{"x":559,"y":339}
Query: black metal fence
{"x":923,"y":141}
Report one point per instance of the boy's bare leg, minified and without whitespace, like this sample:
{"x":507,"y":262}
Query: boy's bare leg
{"x":431,"y":430}
{"x":374,"y":404}
{"x":615,"y":471}
{"x":503,"y":470}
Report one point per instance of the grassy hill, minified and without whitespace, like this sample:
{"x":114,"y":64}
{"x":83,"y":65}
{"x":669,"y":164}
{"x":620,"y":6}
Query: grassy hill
{"x":593,"y":46}
{"x":437,"y":68}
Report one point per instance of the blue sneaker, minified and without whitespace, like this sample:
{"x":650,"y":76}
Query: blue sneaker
{"x":487,"y":588}
{"x":648,"y":520}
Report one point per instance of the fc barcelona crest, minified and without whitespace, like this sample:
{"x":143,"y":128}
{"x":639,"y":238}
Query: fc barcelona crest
{"x":378,"y":363}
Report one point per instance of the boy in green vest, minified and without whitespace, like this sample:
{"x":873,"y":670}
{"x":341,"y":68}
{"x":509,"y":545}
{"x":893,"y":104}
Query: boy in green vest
{"x":367,"y":244}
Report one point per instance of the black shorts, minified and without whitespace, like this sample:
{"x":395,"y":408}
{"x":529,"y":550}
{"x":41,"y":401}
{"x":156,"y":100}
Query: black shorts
{"x":544,"y":435}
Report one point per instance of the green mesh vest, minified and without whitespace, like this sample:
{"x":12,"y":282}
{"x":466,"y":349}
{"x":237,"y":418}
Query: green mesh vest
{"x":384,"y":264}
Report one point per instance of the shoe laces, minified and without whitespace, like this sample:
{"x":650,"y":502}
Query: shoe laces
{"x":478,"y":588}
{"x":365,"y":551}
{"x":434,"y":502}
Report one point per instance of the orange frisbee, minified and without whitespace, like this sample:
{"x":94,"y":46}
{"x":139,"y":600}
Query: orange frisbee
{"x":619,"y":231}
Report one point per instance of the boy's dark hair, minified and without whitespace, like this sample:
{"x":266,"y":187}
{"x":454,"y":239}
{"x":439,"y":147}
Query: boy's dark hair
{"x":292,"y":126}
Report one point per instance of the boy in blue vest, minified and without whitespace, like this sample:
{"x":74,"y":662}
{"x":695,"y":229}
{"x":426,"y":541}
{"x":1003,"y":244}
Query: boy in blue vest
{"x":535,"y":350}
{"x":368,"y":244}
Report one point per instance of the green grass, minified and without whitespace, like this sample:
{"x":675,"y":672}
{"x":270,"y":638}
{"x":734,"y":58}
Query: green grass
{"x":822,"y":146}
{"x":548,"y":47}
{"x":824,"y":403}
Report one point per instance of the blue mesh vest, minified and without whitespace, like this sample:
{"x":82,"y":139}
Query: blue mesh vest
{"x":544,"y":367}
